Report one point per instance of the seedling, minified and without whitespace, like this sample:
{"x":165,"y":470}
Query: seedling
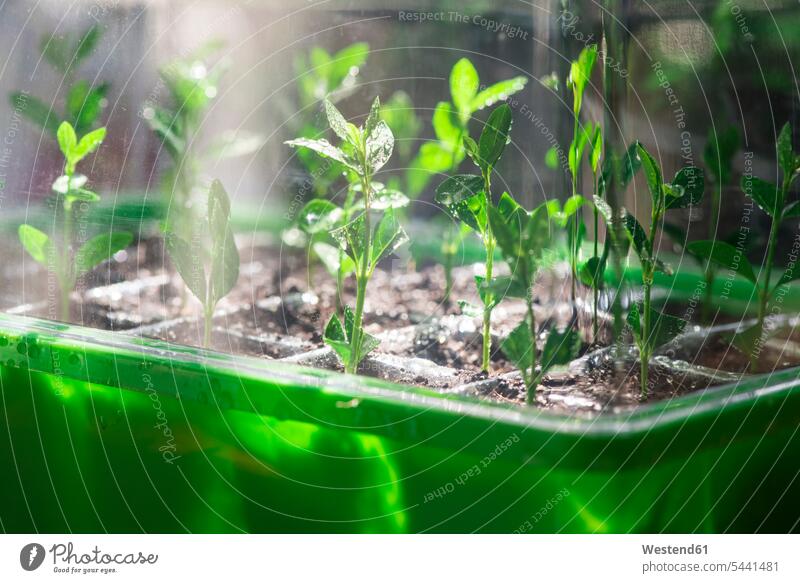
{"x":84,"y":101}
{"x":71,"y":262}
{"x":208,"y":261}
{"x":321,"y":75}
{"x":523,"y":237}
{"x":367,"y":149}
{"x":445,"y":154}
{"x":192,"y":84}
{"x":579,"y":76}
{"x":772,"y":200}
{"x":650,"y":327}
{"x":467,"y":198}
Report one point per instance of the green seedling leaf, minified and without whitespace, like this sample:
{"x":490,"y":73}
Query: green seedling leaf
{"x":560,"y":348}
{"x":35,"y":110}
{"x":495,"y":136}
{"x":572,"y":205}
{"x":389,"y":235}
{"x":333,"y":259}
{"x":37,"y":244}
{"x":789,"y":274}
{"x":319,"y":216}
{"x":337,"y":121}
{"x":550,"y":81}
{"x":87,"y":43}
{"x":537,"y":233}
{"x":373,"y":118}
{"x":580,"y":73}
{"x":638,"y":237}
{"x":652,"y":172}
{"x":445,"y":125}
{"x":67,"y":140}
{"x":597,"y":147}
{"x":98,"y":249}
{"x":691,"y":183}
{"x":324,"y":148}
{"x":58,"y":52}
{"x":368,"y":342}
{"x":497,"y":92}
{"x":551,"y":158}
{"x":464,"y":87}
{"x":631,"y":164}
{"x":517,"y":346}
{"x":792,"y":210}
{"x":575,"y":154}
{"x":225,"y":255}
{"x":224,"y":267}
{"x":166,"y":128}
{"x":786,"y":158}
{"x":84,"y":104}
{"x":724,"y":254}
{"x":334,"y":330}
{"x":380,"y":143}
{"x":462,"y":196}
{"x":188,"y":260}
{"x":219,"y":211}
{"x":719,"y":153}
{"x":765,"y":194}
{"x":87,"y":144}
{"x":592,"y":271}
{"x":351,"y":237}
{"x":507,"y":236}
{"x":334,"y":336}
{"x":665,"y":328}
{"x":345,"y":64}
{"x":470,"y":146}
{"x":507,"y":206}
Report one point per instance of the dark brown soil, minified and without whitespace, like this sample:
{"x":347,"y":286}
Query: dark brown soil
{"x":281,"y":304}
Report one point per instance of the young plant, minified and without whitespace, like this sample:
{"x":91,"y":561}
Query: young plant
{"x":650,"y":327}
{"x":467,"y":198}
{"x":579,"y":76}
{"x":445,"y":154}
{"x":208,"y":261}
{"x":84,"y":101}
{"x":367,"y":150}
{"x":523,"y":237}
{"x":65,"y":259}
{"x":192,"y":84}
{"x":772,"y":200}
